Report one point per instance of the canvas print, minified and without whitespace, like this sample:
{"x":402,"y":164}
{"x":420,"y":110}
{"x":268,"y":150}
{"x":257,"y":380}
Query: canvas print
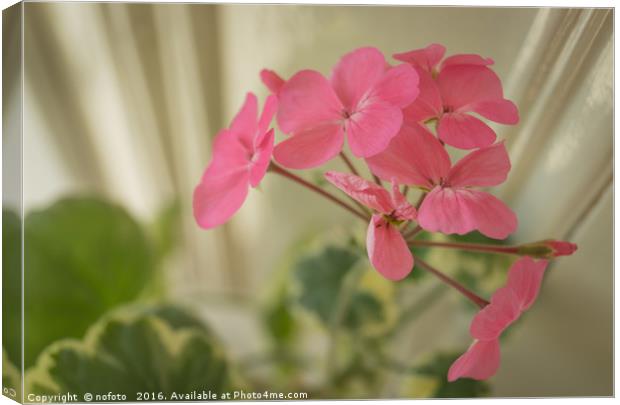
{"x":211,"y":202}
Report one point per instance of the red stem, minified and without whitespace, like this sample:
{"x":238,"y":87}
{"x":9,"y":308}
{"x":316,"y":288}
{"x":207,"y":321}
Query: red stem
{"x":283,"y":172}
{"x":472,"y":247}
{"x":481,"y":302}
{"x":349,"y":164}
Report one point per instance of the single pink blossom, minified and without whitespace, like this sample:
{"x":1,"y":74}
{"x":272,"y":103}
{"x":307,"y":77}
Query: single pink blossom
{"x":415,"y":157}
{"x":463,"y":85}
{"x":272,"y":80}
{"x":241,"y":155}
{"x":482,"y":359}
{"x":387,"y":249}
{"x":363,"y":99}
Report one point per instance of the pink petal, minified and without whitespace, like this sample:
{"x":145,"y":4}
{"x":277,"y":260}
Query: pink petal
{"x":492,"y":320}
{"x":356,"y":73}
{"x":229,"y":152}
{"x":387,"y":250}
{"x":414,"y":157}
{"x":482,"y":168}
{"x":462,"y":85}
{"x":244,"y":123}
{"x":310,"y":148}
{"x":502,"y":111}
{"x":269,"y":110}
{"x":306,"y":101}
{"x":464,"y":131}
{"x":219,"y":196}
{"x":479,"y":362}
{"x":466,"y":59}
{"x":367,"y":193}
{"x":261,"y":159}
{"x":403,"y":210}
{"x":425,"y":58}
{"x":461,"y":211}
{"x":428,"y":104}
{"x":442,"y":211}
{"x":371,"y":128}
{"x":524,"y":279}
{"x":272,"y":80}
{"x":489,"y":215}
{"x":398,"y":86}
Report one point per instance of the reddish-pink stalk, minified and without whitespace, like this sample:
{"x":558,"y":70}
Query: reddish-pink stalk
{"x":472,"y":247}
{"x":481,"y":302}
{"x":285,"y":173}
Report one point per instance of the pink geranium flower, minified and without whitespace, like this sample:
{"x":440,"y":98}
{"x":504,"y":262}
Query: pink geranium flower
{"x":482,"y":359}
{"x":387,"y":249}
{"x":363,"y":99}
{"x":463,"y":85}
{"x":415,"y":157}
{"x":241,"y":155}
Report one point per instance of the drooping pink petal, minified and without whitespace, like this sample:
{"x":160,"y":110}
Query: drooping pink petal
{"x":310,"y":148}
{"x":481,"y":168}
{"x":461,"y":211}
{"x":464,"y":131}
{"x":356,"y":73}
{"x":466,"y":59}
{"x":387,"y":250}
{"x":425,"y":58}
{"x":428,"y":104}
{"x":272,"y":80}
{"x":245,"y":121}
{"x":500,"y":110}
{"x":463,"y":85}
{"x":219,"y":196}
{"x":269,"y":110}
{"x":479,"y":362}
{"x":370,"y":130}
{"x":524,"y":279}
{"x":398,"y":86}
{"x":413,"y":157}
{"x":262,"y":157}
{"x":403,"y":210}
{"x":369,"y":194}
{"x":306,"y":101}
{"x":492,"y":320}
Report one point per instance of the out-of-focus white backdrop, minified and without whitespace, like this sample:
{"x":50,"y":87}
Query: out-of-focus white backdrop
{"x":123,"y":99}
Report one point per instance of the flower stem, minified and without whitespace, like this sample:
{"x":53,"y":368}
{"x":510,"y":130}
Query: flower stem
{"x":413,"y":232}
{"x":283,"y":172}
{"x":472,"y":247}
{"x":481,"y":302}
{"x":349,"y":164}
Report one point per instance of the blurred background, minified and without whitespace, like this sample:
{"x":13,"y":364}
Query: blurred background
{"x":121,"y":102}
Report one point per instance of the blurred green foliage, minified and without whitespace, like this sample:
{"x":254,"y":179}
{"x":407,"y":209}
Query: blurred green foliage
{"x":162,"y":349}
{"x":83,"y":257}
{"x":11,"y":287}
{"x":10,"y":377}
{"x":323,"y":277}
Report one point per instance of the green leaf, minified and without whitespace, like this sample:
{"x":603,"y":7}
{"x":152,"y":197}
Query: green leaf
{"x":279,"y":321}
{"x":462,"y":388}
{"x":11,"y":286}
{"x":83,"y":257}
{"x":322,"y":279}
{"x":134,"y":352}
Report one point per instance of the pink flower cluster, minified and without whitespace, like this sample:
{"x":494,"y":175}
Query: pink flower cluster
{"x":399,"y":120}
